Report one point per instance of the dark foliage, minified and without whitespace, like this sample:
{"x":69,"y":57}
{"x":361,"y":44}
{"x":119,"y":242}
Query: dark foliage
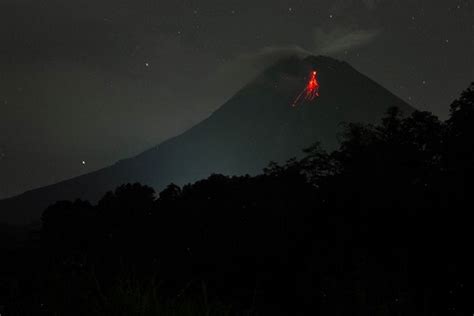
{"x":379,"y":227}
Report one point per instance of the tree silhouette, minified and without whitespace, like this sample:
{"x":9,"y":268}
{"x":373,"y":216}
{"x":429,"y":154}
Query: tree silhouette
{"x":378,"y":226}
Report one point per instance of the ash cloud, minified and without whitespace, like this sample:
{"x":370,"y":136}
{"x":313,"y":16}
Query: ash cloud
{"x":239,"y":71}
{"x":340,"y":39}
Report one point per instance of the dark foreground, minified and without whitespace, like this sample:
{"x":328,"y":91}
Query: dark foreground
{"x":382,"y":226}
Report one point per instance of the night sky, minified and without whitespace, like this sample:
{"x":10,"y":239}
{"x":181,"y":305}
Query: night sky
{"x":86,"y":83}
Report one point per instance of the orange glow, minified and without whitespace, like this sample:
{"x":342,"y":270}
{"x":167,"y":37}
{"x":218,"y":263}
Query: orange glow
{"x":310,"y":92}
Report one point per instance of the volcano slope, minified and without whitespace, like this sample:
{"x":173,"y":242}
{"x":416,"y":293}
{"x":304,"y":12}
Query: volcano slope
{"x":257,"y":125}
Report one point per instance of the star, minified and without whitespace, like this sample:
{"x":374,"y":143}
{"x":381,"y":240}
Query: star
{"x":83,"y":162}
{"x":147,"y":64}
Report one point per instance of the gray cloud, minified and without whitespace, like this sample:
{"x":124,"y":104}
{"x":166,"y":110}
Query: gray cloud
{"x":250,"y":65}
{"x":341,"y":39}
{"x":234,"y":74}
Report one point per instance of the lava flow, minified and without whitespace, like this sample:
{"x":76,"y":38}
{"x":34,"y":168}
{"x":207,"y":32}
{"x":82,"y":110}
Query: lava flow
{"x":310,"y":92}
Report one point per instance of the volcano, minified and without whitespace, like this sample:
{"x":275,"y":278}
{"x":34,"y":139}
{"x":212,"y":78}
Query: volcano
{"x":257,"y":125}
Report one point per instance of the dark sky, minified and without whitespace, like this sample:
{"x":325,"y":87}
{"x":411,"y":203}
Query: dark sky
{"x":86,"y":83}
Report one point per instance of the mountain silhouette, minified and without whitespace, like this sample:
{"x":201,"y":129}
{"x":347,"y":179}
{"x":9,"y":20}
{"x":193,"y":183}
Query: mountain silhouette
{"x":256,"y":126}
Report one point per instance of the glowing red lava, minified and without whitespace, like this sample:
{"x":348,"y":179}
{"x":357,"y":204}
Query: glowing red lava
{"x":311,"y":91}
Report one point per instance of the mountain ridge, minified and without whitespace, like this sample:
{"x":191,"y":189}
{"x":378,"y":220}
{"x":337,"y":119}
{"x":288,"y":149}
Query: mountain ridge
{"x":255,"y":126}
